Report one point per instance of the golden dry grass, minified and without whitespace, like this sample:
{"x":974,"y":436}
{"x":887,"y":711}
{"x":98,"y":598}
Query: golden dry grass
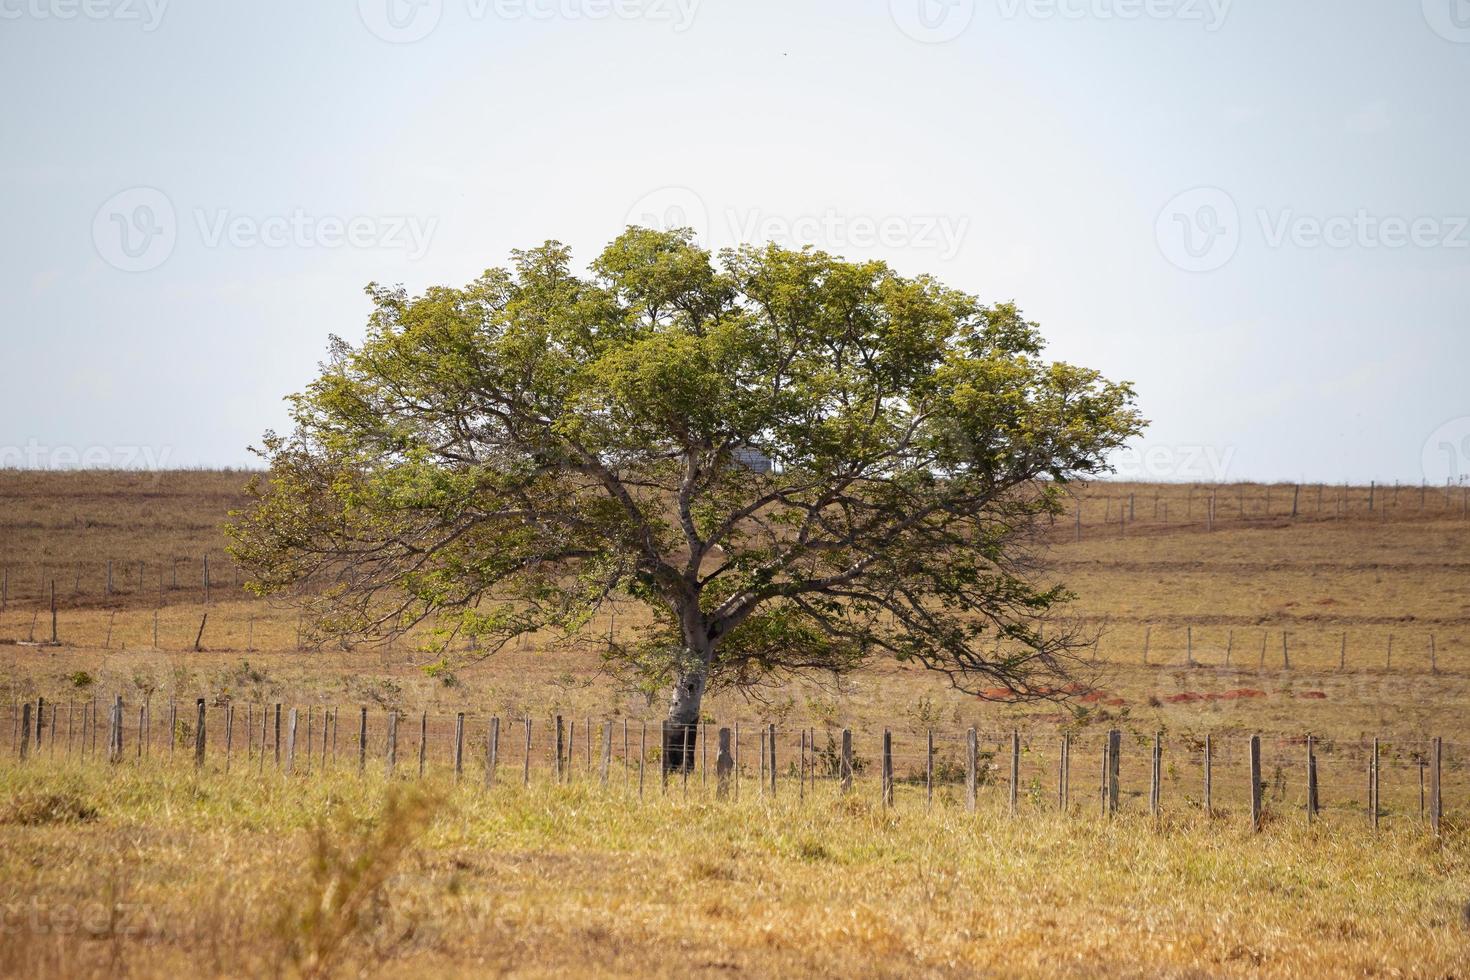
{"x":210,"y":874}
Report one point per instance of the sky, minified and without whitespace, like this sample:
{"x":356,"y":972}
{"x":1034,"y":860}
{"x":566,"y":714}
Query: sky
{"x":1257,"y":212}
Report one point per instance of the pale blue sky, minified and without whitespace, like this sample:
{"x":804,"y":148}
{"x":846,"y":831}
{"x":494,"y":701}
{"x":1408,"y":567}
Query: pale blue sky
{"x":181,"y":181}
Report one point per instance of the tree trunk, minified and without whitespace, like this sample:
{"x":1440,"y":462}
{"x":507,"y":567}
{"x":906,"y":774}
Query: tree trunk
{"x":681,"y":735}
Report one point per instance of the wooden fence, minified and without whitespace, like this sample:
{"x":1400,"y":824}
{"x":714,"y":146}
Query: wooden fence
{"x":1250,"y":778}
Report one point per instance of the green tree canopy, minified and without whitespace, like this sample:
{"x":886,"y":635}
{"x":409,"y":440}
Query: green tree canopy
{"x":793,"y":461}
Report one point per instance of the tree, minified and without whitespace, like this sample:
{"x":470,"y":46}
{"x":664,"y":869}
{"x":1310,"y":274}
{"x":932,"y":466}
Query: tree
{"x":794,"y":462}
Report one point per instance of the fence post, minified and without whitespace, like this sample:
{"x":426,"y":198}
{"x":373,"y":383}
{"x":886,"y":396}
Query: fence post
{"x":117,"y":729}
{"x":492,"y":751}
{"x":198,"y":732}
{"x":1156,"y":777}
{"x":526,"y":764}
{"x":1064,"y":774}
{"x":1436,"y":801}
{"x":847,"y":760}
{"x":278,"y":729}
{"x":229,"y":732}
{"x":1373,"y":785}
{"x":1115,"y":753}
{"x":1311,"y":778}
{"x":458,"y":746}
{"x":1256,"y":813}
{"x":972,"y":761}
{"x":1209,"y":777}
{"x":1016,"y":764}
{"x":724,"y":764}
{"x":291,"y":725}
{"x":25,"y":731}
{"x":561,"y":734}
{"x":887,"y":768}
{"x":423,"y":741}
{"x":361,"y":739}
{"x":392,"y":762}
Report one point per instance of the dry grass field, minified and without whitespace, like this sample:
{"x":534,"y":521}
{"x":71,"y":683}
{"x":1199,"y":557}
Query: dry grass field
{"x":150,"y":867}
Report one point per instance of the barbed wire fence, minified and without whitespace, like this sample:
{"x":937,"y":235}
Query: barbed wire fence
{"x":1227,"y":776}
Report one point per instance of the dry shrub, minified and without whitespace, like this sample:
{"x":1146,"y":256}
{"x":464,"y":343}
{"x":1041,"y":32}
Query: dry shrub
{"x":352,"y":860}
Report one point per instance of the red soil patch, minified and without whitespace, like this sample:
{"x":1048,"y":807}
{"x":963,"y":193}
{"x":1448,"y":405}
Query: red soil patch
{"x":1184,"y":697}
{"x":1313,"y":695}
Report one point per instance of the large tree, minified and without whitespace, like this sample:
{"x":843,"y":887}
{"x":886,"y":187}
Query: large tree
{"x":793,"y":461}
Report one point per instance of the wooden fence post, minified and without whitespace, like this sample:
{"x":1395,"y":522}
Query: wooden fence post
{"x":1209,"y":776}
{"x":1436,"y":800}
{"x":560,"y":746}
{"x":526,"y":763}
{"x":1156,"y":777}
{"x":361,"y":739}
{"x":846,"y":760}
{"x":392,"y":762}
{"x":1115,"y":754}
{"x":972,"y":763}
{"x":1064,"y":772}
{"x":724,"y":765}
{"x":607,"y":733}
{"x":1311,"y":778}
{"x":198,"y":732}
{"x":25,"y":731}
{"x":117,"y":729}
{"x":492,"y":751}
{"x":278,"y":729}
{"x":1373,"y":785}
{"x":229,"y":732}
{"x":458,"y":746}
{"x":887,"y":768}
{"x":423,"y":741}
{"x":291,"y":725}
{"x":1256,"y":812}
{"x":1016,"y":764}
